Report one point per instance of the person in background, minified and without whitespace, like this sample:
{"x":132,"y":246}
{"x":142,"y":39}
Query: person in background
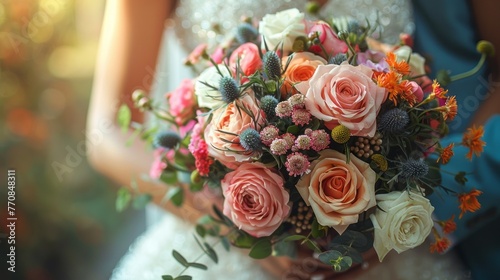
{"x":447,"y":31}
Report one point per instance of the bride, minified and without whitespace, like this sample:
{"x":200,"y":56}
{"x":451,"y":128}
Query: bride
{"x":143,"y":45}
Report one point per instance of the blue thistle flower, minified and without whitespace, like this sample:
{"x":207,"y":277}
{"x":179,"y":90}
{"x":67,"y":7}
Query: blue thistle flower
{"x":394,"y":121}
{"x":228,"y":89}
{"x":413,"y":169}
{"x":250,"y":139}
{"x":272,"y":65}
{"x":337,"y":59}
{"x":246,"y":32}
{"x":268,"y":104}
{"x":166,"y":139}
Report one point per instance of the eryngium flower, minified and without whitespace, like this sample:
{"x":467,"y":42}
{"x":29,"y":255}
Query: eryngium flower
{"x":250,"y":139}
{"x":245,"y":32}
{"x":268,"y":104}
{"x":272,"y":65}
{"x":413,"y":169}
{"x":394,"y":121}
{"x":228,"y":89}
{"x":166,"y":139}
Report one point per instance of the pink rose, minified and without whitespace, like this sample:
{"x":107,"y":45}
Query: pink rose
{"x":182,"y":102}
{"x":328,"y":39}
{"x":255,"y":199}
{"x":158,"y":164}
{"x":222,"y":133}
{"x":218,"y":55}
{"x":417,"y":91}
{"x":249,"y":58}
{"x":338,"y":191}
{"x":344,"y":94}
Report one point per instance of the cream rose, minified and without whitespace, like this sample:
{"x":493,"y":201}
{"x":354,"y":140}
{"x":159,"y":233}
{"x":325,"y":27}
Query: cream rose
{"x":416,"y":61}
{"x":402,"y":221}
{"x":344,"y":94}
{"x":222,"y":133}
{"x":255,"y":199}
{"x":338,"y":191}
{"x":207,"y":96}
{"x":282,"y":28}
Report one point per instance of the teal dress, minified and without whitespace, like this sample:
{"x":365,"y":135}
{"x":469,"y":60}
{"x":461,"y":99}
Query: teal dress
{"x":445,"y":33}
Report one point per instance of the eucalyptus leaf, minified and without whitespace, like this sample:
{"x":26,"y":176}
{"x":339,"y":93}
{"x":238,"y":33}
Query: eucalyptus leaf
{"x":294,"y":238}
{"x":179,"y":258}
{"x":337,"y":260}
{"x":169,"y":177}
{"x":124,"y":117}
{"x":283,"y":248}
{"x":354,"y":239}
{"x":211,"y":252}
{"x":140,"y":201}
{"x":167,"y":277}
{"x":198,"y":265}
{"x":123,"y":199}
{"x":225,"y":243}
{"x":176,"y":195}
{"x":243,"y":240}
{"x":183,"y":277}
{"x":201,"y":230}
{"x":354,"y":254}
{"x":261,"y":249}
{"x":293,"y":129}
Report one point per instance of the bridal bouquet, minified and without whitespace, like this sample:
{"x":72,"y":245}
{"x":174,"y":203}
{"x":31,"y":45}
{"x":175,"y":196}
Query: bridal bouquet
{"x":314,"y":135}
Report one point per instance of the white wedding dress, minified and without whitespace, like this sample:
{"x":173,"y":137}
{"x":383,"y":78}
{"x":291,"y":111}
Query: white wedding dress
{"x":150,"y":256}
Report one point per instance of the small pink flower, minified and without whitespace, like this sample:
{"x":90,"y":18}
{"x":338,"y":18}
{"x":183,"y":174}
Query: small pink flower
{"x":301,"y":116}
{"x":303,"y":142}
{"x":255,"y":199}
{"x":297,"y":101}
{"x":249,"y":59}
{"x":320,"y":140}
{"x":289,"y":138}
{"x":182,"y":102}
{"x":328,"y":39}
{"x":218,"y":55}
{"x":279,"y":147}
{"x":297,"y":164}
{"x":158,"y":164}
{"x":268,"y":134}
{"x":195,"y":55}
{"x":284,"y":109}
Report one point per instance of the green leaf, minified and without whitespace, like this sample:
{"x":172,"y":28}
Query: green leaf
{"x":243,"y":240}
{"x":200,"y":230}
{"x":293,"y":129}
{"x":460,"y":178}
{"x":318,"y":230}
{"x":140,"y":201}
{"x":294,"y":238}
{"x":261,"y":249}
{"x":353,"y":239}
{"x":284,"y":248}
{"x":183,"y":277}
{"x":176,"y":195}
{"x":124,"y":117}
{"x":225,"y":243}
{"x":198,"y":265}
{"x":338,"y":261}
{"x":123,"y":199}
{"x":211,"y":252}
{"x":169,"y":177}
{"x":178,"y":257}
{"x":167,"y":277}
{"x":348,"y":251}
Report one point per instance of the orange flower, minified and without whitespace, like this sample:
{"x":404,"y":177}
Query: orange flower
{"x":441,"y":245}
{"x":299,"y":68}
{"x":438,"y":91}
{"x":468,"y":202}
{"x":450,"y":108}
{"x":472,"y":140}
{"x":401,"y":67}
{"x":449,"y":225}
{"x":396,"y":88}
{"x":446,"y":154}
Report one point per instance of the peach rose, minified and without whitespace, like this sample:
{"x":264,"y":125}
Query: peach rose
{"x":255,"y":199}
{"x":249,"y":58}
{"x":344,"y":94}
{"x":338,"y":191}
{"x":222,"y":133}
{"x":301,"y":68}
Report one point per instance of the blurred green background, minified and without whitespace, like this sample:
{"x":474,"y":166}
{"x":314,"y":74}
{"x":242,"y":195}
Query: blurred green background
{"x":67,"y":226}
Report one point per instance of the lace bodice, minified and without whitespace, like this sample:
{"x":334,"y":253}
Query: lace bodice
{"x":198,"y":21}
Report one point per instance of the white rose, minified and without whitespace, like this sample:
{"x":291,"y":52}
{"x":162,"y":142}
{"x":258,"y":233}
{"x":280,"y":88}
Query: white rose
{"x":282,"y":27}
{"x":416,"y":60}
{"x":207,"y":96}
{"x":402,"y":221}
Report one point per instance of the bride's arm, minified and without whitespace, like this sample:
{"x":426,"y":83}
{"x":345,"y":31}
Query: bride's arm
{"x":129,"y":45}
